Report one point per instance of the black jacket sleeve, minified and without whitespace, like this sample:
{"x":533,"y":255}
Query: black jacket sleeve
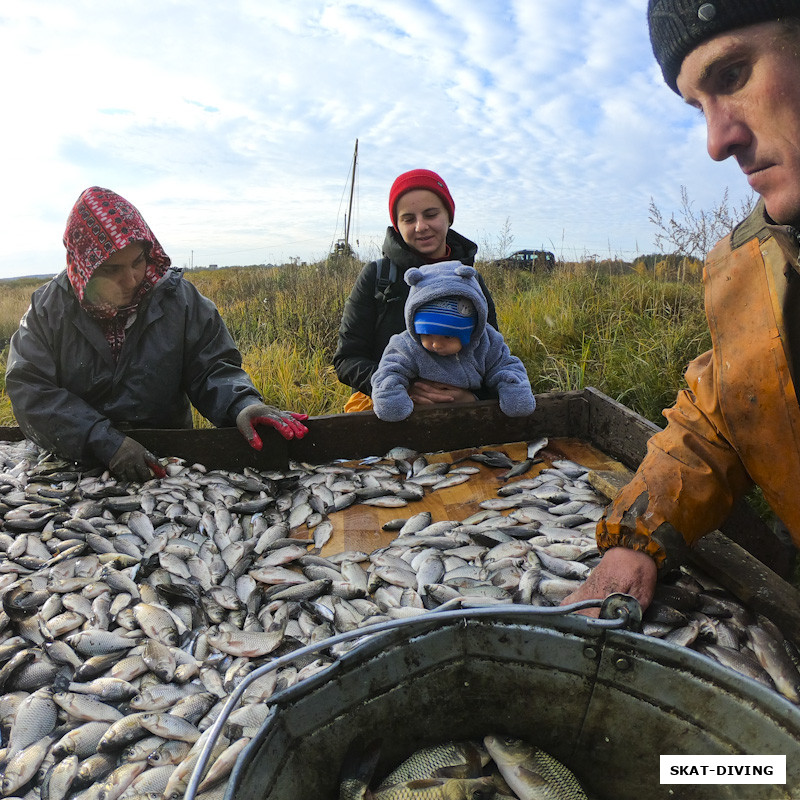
{"x":356,"y":358}
{"x":491,"y":311}
{"x":48,"y":413}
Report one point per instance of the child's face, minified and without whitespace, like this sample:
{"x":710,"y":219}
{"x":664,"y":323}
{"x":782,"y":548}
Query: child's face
{"x":441,"y":345}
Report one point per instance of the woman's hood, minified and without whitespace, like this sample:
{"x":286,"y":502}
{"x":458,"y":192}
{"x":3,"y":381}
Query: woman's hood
{"x":100,"y":224}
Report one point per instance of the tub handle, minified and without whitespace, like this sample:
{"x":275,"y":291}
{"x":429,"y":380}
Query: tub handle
{"x":616,"y":612}
{"x":623,"y":606}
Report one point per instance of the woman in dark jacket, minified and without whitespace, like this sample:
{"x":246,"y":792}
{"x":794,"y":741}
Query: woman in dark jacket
{"x":119,"y":340}
{"x":421,"y":209}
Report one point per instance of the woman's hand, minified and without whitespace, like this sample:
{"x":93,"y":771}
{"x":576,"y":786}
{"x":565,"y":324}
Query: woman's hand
{"x":134,"y":462}
{"x":287,"y":423}
{"x":430,"y":392}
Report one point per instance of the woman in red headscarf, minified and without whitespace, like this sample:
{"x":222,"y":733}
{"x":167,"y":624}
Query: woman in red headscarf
{"x":421,"y":209}
{"x":119,"y":340}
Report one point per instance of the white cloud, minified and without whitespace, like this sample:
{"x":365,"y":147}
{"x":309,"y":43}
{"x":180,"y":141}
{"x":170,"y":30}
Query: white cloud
{"x":231,"y":124}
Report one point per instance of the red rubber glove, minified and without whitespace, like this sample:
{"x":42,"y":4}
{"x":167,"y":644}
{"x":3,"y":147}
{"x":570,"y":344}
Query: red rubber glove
{"x":287,"y":423}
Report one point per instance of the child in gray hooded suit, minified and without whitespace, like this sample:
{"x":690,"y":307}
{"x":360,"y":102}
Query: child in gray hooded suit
{"x":447,"y":340}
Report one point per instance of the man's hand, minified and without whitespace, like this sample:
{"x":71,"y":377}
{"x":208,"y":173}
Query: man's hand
{"x":134,"y":462}
{"x":431,"y":392}
{"x":620,"y":570}
{"x":287,"y":423}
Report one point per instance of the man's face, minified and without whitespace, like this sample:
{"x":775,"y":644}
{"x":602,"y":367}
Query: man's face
{"x":747,"y":85}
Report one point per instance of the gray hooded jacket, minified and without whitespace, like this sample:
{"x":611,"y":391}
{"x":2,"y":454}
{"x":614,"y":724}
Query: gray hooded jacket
{"x":485,"y":360}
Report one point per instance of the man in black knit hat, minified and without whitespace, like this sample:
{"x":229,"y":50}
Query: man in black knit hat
{"x":738,"y":422}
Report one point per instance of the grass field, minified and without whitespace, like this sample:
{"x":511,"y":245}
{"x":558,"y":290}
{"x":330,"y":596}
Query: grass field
{"x":629,"y":335}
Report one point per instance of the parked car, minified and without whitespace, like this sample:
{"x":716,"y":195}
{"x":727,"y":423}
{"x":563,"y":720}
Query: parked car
{"x":541,"y":260}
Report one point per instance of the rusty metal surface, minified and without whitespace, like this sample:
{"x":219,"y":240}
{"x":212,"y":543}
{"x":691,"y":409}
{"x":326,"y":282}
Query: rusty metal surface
{"x":605,"y":703}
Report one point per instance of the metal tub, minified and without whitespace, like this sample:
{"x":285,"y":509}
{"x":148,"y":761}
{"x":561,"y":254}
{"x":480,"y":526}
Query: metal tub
{"x":607,"y":703}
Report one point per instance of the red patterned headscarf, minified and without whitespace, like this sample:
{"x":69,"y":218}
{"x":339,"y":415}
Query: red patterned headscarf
{"x":100,"y":224}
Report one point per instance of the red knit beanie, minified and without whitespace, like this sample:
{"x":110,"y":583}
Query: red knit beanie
{"x":420,"y":179}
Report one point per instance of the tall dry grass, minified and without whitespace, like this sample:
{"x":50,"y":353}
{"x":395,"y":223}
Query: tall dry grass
{"x":301,"y":305}
{"x":15,"y":298}
{"x":628,"y":335}
{"x":631,"y":336}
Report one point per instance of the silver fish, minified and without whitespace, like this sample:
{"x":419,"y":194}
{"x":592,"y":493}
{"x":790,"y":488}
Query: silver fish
{"x":530,"y":772}
{"x":776,"y":662}
{"x":536,"y":446}
{"x":183,"y":595}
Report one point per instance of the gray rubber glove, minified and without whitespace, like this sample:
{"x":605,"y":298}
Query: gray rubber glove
{"x":134,"y":462}
{"x":287,"y":423}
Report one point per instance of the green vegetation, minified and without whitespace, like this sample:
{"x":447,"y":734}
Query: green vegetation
{"x":610,"y":325}
{"x":14,"y":300}
{"x":629,"y":335}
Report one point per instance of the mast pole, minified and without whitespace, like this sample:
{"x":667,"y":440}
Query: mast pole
{"x":350,"y":207}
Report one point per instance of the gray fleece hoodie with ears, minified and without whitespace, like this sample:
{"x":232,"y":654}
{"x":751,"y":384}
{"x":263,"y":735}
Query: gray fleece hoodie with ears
{"x":485,"y":360}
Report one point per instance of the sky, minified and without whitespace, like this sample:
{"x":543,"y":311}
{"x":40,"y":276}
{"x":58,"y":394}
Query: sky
{"x":231,"y":124}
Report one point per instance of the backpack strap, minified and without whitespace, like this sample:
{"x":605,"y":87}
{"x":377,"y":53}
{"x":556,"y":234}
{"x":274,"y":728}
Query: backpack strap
{"x":385,"y":275}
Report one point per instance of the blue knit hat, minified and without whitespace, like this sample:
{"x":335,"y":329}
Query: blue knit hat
{"x":447,"y":316}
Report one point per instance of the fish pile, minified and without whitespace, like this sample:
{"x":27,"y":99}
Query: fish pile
{"x":131,"y":611}
{"x":498,"y":768}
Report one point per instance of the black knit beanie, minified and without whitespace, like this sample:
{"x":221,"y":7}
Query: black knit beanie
{"x":678,"y":26}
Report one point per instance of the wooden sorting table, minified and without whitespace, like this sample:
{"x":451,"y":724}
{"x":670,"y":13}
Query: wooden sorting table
{"x":585,"y":426}
{"x":358,"y":527}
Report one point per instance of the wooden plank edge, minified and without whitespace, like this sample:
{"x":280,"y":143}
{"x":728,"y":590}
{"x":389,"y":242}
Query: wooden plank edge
{"x":753,"y":582}
{"x":351,"y":436}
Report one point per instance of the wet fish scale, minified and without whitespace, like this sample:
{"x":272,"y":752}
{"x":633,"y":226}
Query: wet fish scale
{"x":59,"y":779}
{"x":86,"y":708}
{"x":439,"y":789}
{"x":35,"y":718}
{"x":82,"y":741}
{"x":22,"y":766}
{"x":530,"y":772}
{"x":426,"y":762}
{"x":99,"y":642}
